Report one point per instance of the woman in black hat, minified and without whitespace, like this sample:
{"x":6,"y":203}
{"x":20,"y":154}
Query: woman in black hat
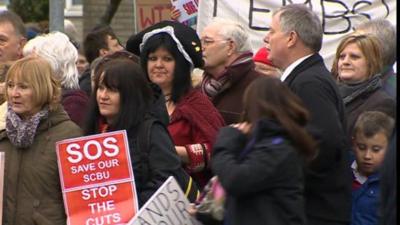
{"x":169,"y":51}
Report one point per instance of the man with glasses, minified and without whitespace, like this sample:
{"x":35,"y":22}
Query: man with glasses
{"x":228,"y":66}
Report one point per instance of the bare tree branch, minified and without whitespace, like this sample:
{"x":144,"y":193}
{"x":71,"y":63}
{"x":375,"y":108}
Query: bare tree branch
{"x":110,"y":11}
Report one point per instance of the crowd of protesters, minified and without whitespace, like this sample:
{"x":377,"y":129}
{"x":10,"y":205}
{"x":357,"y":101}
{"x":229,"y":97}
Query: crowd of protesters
{"x":290,"y":141}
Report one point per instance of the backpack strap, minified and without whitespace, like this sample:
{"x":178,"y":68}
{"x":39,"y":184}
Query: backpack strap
{"x":186,"y":182}
{"x":143,"y":143}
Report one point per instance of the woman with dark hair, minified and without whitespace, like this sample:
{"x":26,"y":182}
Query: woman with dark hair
{"x":259,"y":162}
{"x":122,"y":100}
{"x":169,"y":51}
{"x":158,"y":109}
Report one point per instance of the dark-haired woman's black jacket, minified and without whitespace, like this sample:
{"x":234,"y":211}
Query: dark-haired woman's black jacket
{"x":158,"y":109}
{"x":365,"y":96}
{"x":266,"y":185}
{"x":161,"y":158}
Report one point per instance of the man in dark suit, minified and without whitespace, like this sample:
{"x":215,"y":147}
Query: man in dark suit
{"x":294,"y":40}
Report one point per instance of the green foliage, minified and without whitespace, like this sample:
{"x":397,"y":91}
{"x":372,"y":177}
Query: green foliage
{"x":29,"y":10}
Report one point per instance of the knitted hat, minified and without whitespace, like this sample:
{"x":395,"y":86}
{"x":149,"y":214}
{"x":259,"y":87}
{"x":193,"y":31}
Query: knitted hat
{"x":185,"y":37}
{"x":262,"y":56}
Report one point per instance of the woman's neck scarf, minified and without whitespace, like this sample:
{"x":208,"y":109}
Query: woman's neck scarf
{"x":22,"y":132}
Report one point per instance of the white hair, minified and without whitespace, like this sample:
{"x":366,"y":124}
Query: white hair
{"x":70,"y":30}
{"x":232,"y":30}
{"x":62,"y":55}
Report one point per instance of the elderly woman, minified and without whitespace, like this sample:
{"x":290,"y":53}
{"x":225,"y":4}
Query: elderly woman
{"x":169,"y":51}
{"x":356,"y":66}
{"x":62,"y":55}
{"x":35,"y":122}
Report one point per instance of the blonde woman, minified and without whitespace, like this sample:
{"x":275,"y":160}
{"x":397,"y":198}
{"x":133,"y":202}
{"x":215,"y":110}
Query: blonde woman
{"x":356,"y":67}
{"x":35,"y":121}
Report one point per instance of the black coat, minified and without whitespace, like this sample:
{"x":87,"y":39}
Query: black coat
{"x":265,"y":186}
{"x":85,"y":82}
{"x":328,"y":178}
{"x":161,"y":158}
{"x":366,"y":96}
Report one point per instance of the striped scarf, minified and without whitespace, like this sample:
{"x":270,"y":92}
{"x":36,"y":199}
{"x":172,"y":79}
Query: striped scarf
{"x":213,"y":86}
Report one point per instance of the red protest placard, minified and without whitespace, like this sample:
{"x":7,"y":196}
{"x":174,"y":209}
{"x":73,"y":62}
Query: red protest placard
{"x":97,"y":179}
{"x":94,"y":159}
{"x":101,"y":205}
{"x":149,"y":12}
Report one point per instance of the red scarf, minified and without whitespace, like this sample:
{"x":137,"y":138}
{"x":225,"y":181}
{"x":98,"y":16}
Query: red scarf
{"x":199,"y":111}
{"x":103,"y":126}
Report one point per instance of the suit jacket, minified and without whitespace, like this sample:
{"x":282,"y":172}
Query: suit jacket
{"x":328,"y":177}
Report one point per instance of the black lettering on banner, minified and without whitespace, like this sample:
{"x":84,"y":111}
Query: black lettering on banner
{"x":180,"y":205}
{"x":152,"y":212}
{"x":166,"y":208}
{"x":288,"y":2}
{"x":386,"y":7}
{"x":162,"y":198}
{"x":215,"y":8}
{"x":340,"y":14}
{"x":253,"y":10}
{"x":343,"y":16}
{"x":355,"y":11}
{"x":176,"y":216}
{"x":172,"y":190}
{"x":143,"y":221}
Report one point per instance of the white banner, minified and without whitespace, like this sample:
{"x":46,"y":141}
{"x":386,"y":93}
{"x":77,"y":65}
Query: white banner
{"x":338,"y":17}
{"x":168,"y":206}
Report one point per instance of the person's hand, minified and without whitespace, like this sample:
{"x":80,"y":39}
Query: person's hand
{"x":192,"y":210}
{"x":267,"y":70}
{"x":175,"y":13}
{"x":243,"y":127}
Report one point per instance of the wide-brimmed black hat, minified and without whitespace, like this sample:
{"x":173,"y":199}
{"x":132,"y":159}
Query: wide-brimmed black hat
{"x":186,"y":38}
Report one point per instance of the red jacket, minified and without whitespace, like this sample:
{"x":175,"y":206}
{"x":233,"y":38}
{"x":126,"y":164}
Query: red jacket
{"x":194,"y":124}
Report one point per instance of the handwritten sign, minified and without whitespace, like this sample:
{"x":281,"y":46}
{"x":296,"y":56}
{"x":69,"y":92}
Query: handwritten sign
{"x":167,"y":206}
{"x":97,"y":179}
{"x":149,"y":12}
{"x":188,"y":10}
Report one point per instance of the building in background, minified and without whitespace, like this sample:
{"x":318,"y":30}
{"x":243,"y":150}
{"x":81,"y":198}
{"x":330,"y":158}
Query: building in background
{"x":85,"y":14}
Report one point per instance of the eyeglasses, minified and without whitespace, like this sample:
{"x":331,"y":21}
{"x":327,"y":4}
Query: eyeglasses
{"x":208,"y":41}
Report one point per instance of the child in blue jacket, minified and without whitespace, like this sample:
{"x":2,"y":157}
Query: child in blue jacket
{"x":371,"y":135}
